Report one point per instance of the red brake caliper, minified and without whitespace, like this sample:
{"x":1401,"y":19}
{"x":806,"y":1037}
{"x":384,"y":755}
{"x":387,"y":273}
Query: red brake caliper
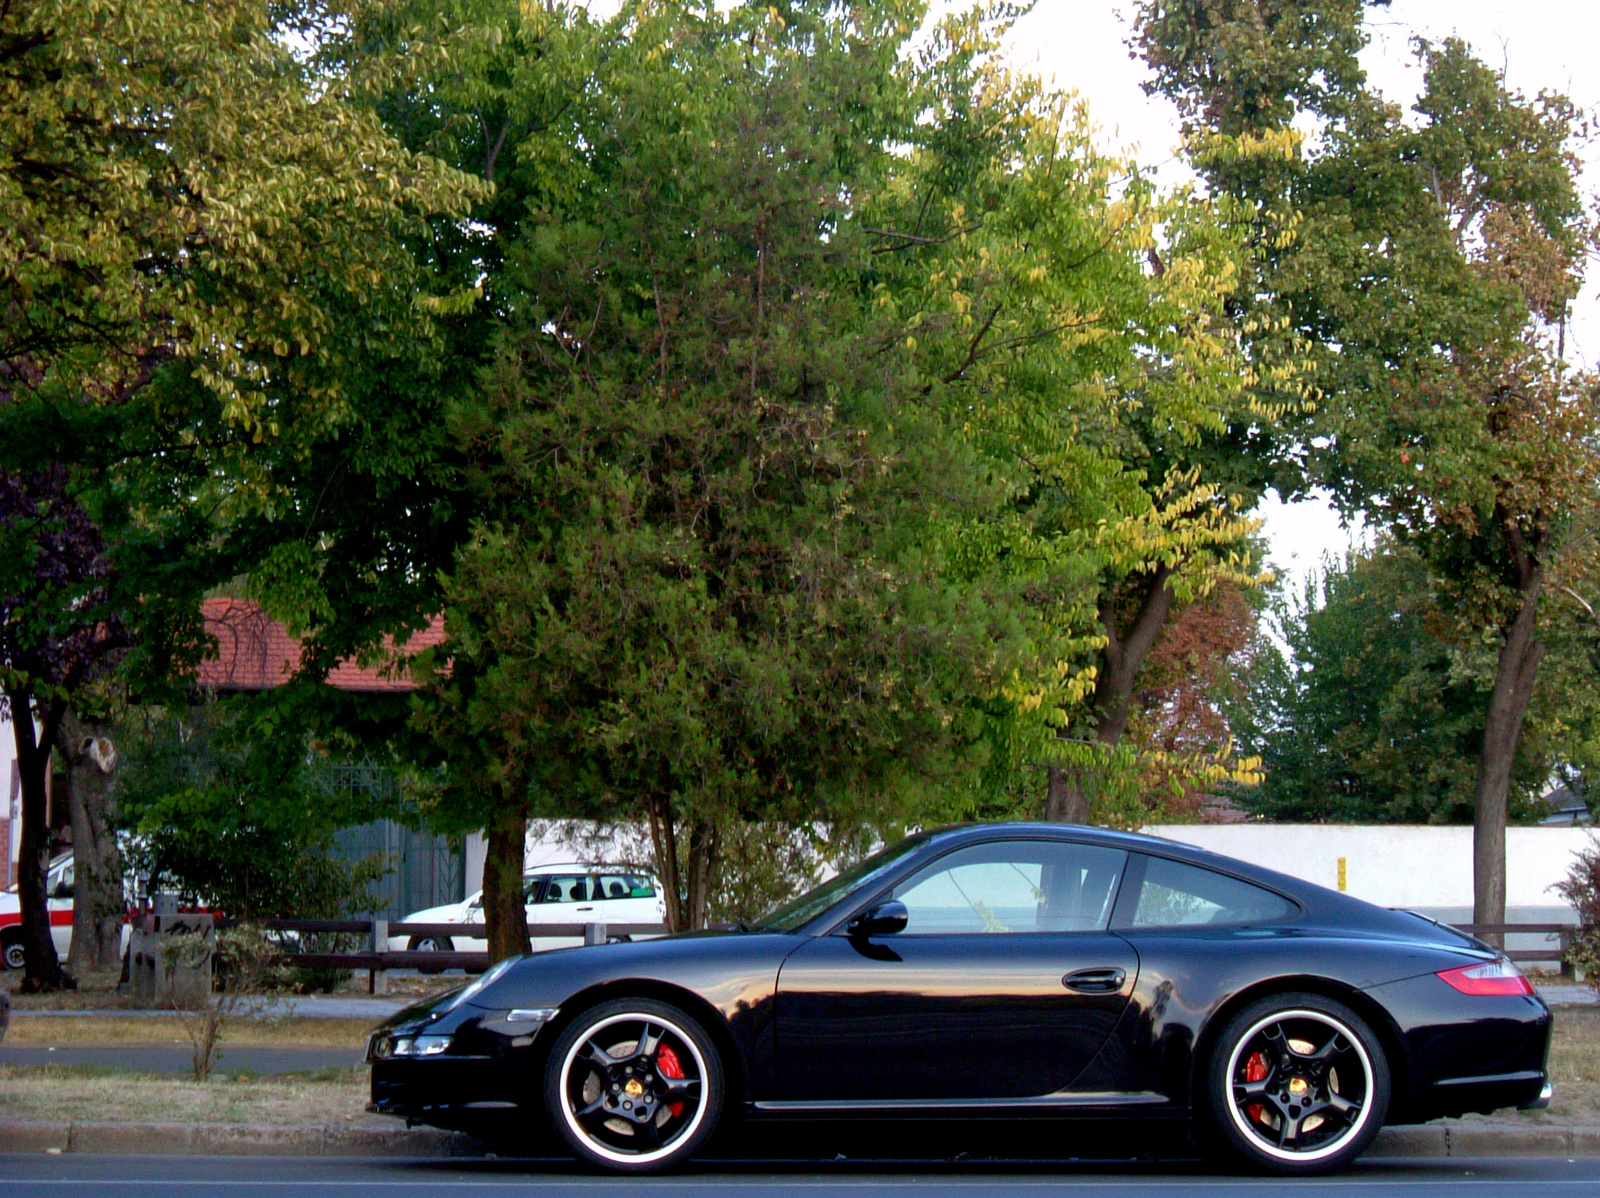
{"x":1255,"y":1069}
{"x":667,"y":1061}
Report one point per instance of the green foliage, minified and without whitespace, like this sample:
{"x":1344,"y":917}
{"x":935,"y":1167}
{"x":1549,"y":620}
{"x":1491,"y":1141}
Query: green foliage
{"x":231,"y":815}
{"x":1581,"y":888}
{"x":1361,"y":711}
{"x":708,"y":457}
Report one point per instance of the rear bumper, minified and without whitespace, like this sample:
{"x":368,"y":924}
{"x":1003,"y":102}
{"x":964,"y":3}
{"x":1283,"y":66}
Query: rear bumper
{"x":1541,"y":1102}
{"x":1464,"y":1053}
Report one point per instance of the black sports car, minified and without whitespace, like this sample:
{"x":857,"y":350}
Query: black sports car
{"x":1014,"y":971}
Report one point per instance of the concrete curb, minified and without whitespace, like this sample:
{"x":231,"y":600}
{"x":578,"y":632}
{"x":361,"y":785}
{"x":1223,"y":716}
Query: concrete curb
{"x":1466,"y":1139}
{"x":232,"y":1139}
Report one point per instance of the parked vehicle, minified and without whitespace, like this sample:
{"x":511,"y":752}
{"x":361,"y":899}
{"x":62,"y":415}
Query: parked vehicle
{"x":58,"y":888}
{"x":554,"y":894}
{"x":1007,"y":971}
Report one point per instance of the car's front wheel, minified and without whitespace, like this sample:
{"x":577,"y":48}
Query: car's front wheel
{"x":634,"y":1086}
{"x":1296,"y":1084}
{"x":11,"y":954}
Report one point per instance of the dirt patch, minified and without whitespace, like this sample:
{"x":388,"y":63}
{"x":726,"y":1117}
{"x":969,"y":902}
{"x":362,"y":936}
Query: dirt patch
{"x":1575,"y":1066}
{"x":54,"y":1094}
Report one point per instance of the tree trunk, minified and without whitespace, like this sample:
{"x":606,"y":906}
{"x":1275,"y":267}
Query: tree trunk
{"x":688,"y":883}
{"x":1516,"y":671}
{"x":664,"y":843}
{"x":704,"y":851}
{"x":1071,"y":794}
{"x":41,"y":967}
{"x":99,"y":904}
{"x":504,"y":909}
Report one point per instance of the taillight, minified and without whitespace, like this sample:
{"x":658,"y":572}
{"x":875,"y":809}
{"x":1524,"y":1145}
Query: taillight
{"x":1492,"y":977}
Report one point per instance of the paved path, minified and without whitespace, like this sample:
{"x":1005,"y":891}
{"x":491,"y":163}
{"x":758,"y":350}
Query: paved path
{"x":307,"y":1006}
{"x":178,"y":1058}
{"x":40,"y":1176}
{"x":1573,"y":993}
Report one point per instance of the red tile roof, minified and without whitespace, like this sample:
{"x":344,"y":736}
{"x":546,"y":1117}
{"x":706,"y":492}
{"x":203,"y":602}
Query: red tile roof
{"x":256,"y":652}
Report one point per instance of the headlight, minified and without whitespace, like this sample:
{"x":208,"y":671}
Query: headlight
{"x":421,"y":1046}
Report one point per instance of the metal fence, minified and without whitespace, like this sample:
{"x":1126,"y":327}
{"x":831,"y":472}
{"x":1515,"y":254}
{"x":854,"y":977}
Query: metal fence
{"x":423,"y":868}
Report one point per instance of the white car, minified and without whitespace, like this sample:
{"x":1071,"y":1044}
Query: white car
{"x":554,"y":894}
{"x":58,"y":896}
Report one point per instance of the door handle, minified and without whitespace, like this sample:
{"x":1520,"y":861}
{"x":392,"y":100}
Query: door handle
{"x":585,"y":908}
{"x":1095,"y":981}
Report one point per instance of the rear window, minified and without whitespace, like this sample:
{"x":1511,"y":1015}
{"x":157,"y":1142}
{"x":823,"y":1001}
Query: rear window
{"x":1176,"y":895}
{"x":623,"y":886}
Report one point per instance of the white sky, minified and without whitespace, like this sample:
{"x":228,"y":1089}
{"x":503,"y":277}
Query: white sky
{"x":1081,"y":44}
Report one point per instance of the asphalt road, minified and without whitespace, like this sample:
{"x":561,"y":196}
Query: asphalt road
{"x":267,"y":1177}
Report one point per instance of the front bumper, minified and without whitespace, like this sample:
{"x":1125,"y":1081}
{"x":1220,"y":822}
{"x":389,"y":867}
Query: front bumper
{"x":489,"y":1064}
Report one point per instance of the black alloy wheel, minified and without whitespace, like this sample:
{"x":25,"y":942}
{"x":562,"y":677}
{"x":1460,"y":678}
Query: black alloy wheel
{"x":1297,"y":1084}
{"x":11,"y":954}
{"x":430,"y":944}
{"x":634,"y":1086}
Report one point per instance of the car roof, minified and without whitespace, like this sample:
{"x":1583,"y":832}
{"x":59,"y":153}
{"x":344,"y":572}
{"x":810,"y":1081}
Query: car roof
{"x":1320,"y":903}
{"x":553,"y":867}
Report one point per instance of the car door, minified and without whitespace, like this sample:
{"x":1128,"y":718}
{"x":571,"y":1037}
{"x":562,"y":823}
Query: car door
{"x":1003,"y":984}
{"x":626,"y":898}
{"x":59,"y":890}
{"x":563,"y":898}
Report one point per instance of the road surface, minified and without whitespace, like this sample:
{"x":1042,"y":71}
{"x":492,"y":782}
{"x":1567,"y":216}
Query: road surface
{"x":41,"y":1176}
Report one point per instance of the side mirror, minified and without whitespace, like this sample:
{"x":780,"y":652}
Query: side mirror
{"x":63,"y":890}
{"x":883,"y":920}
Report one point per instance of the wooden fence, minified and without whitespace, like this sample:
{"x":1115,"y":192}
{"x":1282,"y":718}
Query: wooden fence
{"x":377,"y":958}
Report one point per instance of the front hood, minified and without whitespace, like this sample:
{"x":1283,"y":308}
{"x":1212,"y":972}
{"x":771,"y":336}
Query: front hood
{"x":723,"y":968}
{"x":449,"y":913}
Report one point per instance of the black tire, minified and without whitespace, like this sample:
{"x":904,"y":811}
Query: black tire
{"x":1296,"y":1084}
{"x":430,"y":944}
{"x":634,"y":1070}
{"x":11,"y":956}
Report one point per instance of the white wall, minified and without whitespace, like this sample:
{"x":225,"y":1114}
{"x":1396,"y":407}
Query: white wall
{"x":1424,"y":867}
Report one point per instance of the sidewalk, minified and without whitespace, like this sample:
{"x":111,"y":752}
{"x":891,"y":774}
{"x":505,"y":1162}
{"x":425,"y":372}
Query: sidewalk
{"x":307,"y":1006}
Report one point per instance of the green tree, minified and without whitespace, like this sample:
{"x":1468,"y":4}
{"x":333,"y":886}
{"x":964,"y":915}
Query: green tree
{"x":1361,"y":709}
{"x":193,"y":223}
{"x":1432,"y":260}
{"x":1088,"y":312}
{"x":229,"y":809}
{"x":708,"y":458}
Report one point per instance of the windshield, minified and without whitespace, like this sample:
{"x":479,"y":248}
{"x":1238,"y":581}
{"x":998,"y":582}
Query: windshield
{"x":796,"y":913}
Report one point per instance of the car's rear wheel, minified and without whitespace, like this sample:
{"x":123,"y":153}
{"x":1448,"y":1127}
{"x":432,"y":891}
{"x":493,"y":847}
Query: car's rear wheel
{"x":11,"y":954}
{"x":1296,"y":1084}
{"x":634,"y":1086}
{"x":430,"y":944}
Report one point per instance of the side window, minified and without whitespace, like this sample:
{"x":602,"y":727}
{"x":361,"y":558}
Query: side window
{"x":63,"y":887}
{"x":1175,"y":895}
{"x":1013,"y":886}
{"x":566,"y":888}
{"x":623,"y":886}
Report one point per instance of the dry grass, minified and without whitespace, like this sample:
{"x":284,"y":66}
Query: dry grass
{"x":55,"y":1094}
{"x":1575,"y":1066}
{"x":292,"y":1032}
